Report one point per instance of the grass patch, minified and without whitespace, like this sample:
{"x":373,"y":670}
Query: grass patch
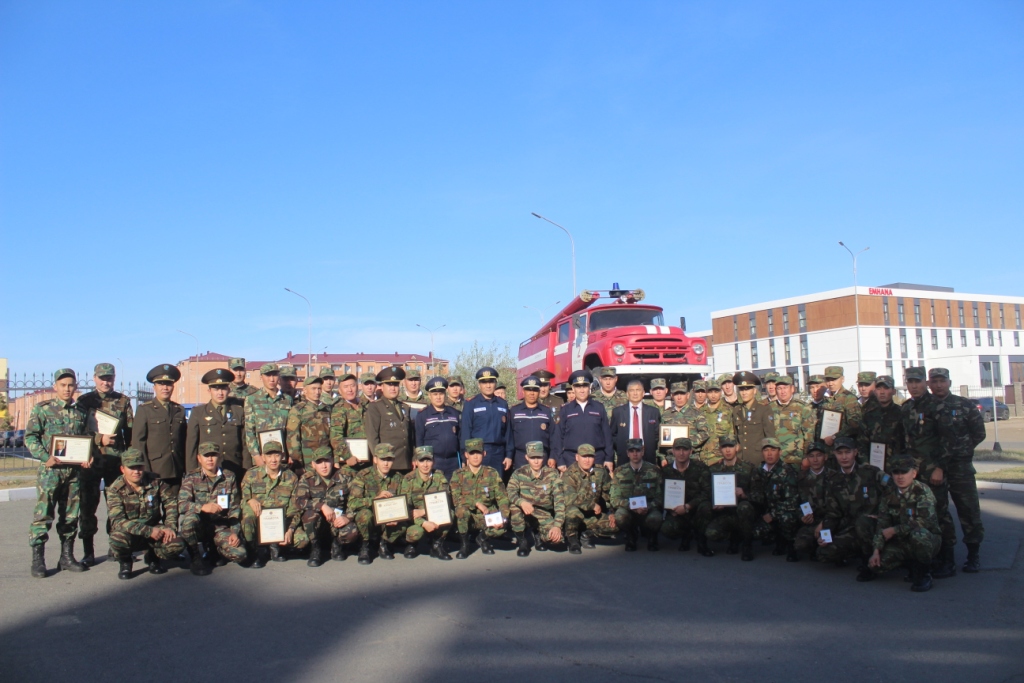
{"x":1010,"y":475}
{"x":1002,"y":456}
{"x":16,"y":483}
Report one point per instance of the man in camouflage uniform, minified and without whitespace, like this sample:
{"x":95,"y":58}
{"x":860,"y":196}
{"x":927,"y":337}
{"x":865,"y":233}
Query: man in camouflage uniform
{"x":881,"y":421}
{"x":769,"y":381}
{"x":270,"y":486}
{"x":369,"y":393}
{"x":308,"y":426}
{"x":421,"y":481}
{"x":683,"y":414}
{"x":57,"y":486}
{"x":961,"y":429}
{"x":456,"y":393}
{"x":143,"y":514}
{"x":735,"y":524}
{"x":209,"y":510}
{"x":477,"y":491}
{"x":817,"y":390}
{"x":239,"y":389}
{"x":587,"y":500}
{"x":690,"y":519}
{"x":609,"y":395}
{"x":718,"y":415}
{"x":865,"y":386}
{"x":842,"y":400}
{"x":659,"y":394}
{"x":700,"y":394}
{"x":347,"y":423}
{"x":410,"y":391}
{"x":811,"y":486}
{"x":265,"y":410}
{"x":780,"y":516}
{"x":321,"y":498}
{"x":328,"y":379}
{"x":851,"y":505}
{"x":729,"y":393}
{"x":634,"y":479}
{"x":379,"y":481}
{"x":907,"y":529}
{"x":106,"y":454}
{"x":536,"y":499}
{"x":751,"y":421}
{"x":794,"y":423}
{"x":288,"y":379}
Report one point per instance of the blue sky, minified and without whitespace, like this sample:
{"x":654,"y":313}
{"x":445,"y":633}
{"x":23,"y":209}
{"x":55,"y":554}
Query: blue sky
{"x":169,"y":166}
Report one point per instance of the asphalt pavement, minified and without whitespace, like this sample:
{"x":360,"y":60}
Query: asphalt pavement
{"x":607,"y":615}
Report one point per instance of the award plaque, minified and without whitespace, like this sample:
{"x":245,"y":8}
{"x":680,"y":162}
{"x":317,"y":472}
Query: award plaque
{"x":669,"y":433}
{"x":638,"y":502}
{"x":438,"y":510}
{"x":270,"y":435}
{"x":830,"y":422}
{"x":675,"y":493}
{"x":393,"y":509}
{"x":103,"y":423}
{"x":271,"y":526}
{"x":723,"y":489}
{"x":359,"y":449}
{"x":71,"y":450}
{"x":878,"y":455}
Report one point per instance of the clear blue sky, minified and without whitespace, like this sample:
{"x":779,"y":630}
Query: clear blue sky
{"x":170,"y":166}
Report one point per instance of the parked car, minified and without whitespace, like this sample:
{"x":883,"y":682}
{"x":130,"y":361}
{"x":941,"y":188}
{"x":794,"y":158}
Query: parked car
{"x":7,"y":439}
{"x":19,"y":438}
{"x":985,"y":406}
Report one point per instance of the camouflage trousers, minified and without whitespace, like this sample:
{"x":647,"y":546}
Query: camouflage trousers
{"x":414,"y":531}
{"x":805,"y":538}
{"x":123,"y":543}
{"x":626,"y":519}
{"x":738,"y":521}
{"x":89,"y":492}
{"x":710,"y":456}
{"x":57,"y":491}
{"x":696,"y":521}
{"x":472,"y":519}
{"x":250,"y":530}
{"x":941,"y":493}
{"x":963,"y":489}
{"x":542,"y":519}
{"x":920,"y":545}
{"x":196,"y":529}
{"x":576,"y":520}
{"x":368,"y":530}
{"x":317,"y":529}
{"x":851,"y":542}
{"x":784,"y":526}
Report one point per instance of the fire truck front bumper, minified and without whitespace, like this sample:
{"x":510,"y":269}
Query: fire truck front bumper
{"x":662,"y":370}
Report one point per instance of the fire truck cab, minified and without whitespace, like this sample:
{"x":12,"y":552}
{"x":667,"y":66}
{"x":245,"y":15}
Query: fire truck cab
{"x":613,"y":329}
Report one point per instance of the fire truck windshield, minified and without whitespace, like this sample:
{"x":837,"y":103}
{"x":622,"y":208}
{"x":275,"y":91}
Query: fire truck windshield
{"x":625,"y":317}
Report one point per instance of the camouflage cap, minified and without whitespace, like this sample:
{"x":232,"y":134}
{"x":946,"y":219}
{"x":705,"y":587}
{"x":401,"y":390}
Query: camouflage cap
{"x":64,"y":372}
{"x":940,"y":373}
{"x":634,"y":444}
{"x":535,"y":448}
{"x":103,"y":370}
{"x":384,"y":450}
{"x":235,"y":363}
{"x":844,"y":442}
{"x":326,"y":372}
{"x":423,"y":453}
{"x":218,"y":377}
{"x":312,"y":380}
{"x":586,"y":450}
{"x":770,"y":442}
{"x":866,"y":377}
{"x":437,"y":384}
{"x":209,"y":448}
{"x":607,"y":372}
{"x":680,"y":388}
{"x":273,"y":447}
{"x":474,"y":445}
{"x":699,"y":385}
{"x":683,"y":442}
{"x":817,"y":446}
{"x":270,"y":369}
{"x":659,"y":383}
{"x":745,"y":379}
{"x":770,"y":377}
{"x":132,"y":457}
{"x":413,"y":373}
{"x":724,"y":377}
{"x":714,"y":384}
{"x":816,"y":379}
{"x":914,"y":373}
{"x":834,"y":372}
{"x":345,"y":376}
{"x":367,"y":378}
{"x":323,"y":453}
{"x":727,"y":441}
{"x":163,"y":373}
{"x":784,"y":379}
{"x":901,"y":463}
{"x":885,"y":381}
{"x":455,"y":381}
{"x":288,"y":370}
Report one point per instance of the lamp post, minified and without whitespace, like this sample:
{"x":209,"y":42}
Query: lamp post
{"x":431,"y":331}
{"x":540,"y":312}
{"x":992,"y":368}
{"x":572,"y":243}
{"x":120,"y":364}
{"x":309,"y":354}
{"x":191,"y":372}
{"x":856,"y":297}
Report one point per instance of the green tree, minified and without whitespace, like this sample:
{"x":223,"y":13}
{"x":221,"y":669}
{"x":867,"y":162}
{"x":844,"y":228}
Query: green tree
{"x":496,"y":356}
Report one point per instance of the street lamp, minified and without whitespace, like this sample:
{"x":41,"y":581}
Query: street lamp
{"x":191,"y":372}
{"x":431,"y":331}
{"x":992,"y":368}
{"x":309,"y":354}
{"x":856,"y":298}
{"x":540,"y":312}
{"x":572,"y":243}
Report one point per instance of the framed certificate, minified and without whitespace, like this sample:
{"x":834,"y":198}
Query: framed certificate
{"x":438,"y":510}
{"x":71,"y":450}
{"x":103,"y":423}
{"x":638,"y":502}
{"x":359,"y":449}
{"x":675,"y":493}
{"x":878,"y":455}
{"x":670,"y":433}
{"x":494,"y":519}
{"x":826,"y":535}
{"x":831,"y":420}
{"x":270,"y":435}
{"x":393,"y":509}
{"x":723,"y":489}
{"x":271,"y":526}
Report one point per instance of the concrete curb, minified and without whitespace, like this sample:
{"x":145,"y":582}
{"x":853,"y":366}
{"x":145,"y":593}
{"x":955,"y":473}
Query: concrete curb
{"x":27,"y":493}
{"x":998,"y":486}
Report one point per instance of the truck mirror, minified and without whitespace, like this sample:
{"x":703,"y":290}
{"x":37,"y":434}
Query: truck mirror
{"x":682,"y":323}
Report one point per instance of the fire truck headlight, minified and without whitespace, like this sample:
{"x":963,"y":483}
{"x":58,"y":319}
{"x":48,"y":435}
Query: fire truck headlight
{"x":619,"y":350}
{"x":698,"y":349}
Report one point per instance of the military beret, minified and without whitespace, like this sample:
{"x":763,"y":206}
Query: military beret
{"x":273,"y":447}
{"x":683,"y":442}
{"x":103,"y":370}
{"x":384,"y":450}
{"x":634,"y":444}
{"x":816,"y":379}
{"x":817,"y":446}
{"x":536,"y":447}
{"x":680,"y":388}
{"x":391,"y":375}
{"x":885,"y":381}
{"x":474,"y":445}
{"x":413,"y":373}
{"x":658,"y":383}
{"x":607,"y":372}
{"x":585,"y":449}
{"x":288,"y":370}
{"x":844,"y":442}
{"x":699,"y":385}
{"x":312,"y":380}
{"x":724,"y":377}
{"x":455,"y":381}
{"x":218,"y":377}
{"x":367,"y":378}
{"x":326,"y":372}
{"x":713,"y":384}
{"x":770,"y":442}
{"x":784,"y":379}
{"x":727,"y":441}
{"x":209,"y":448}
{"x":531,"y":383}
{"x":132,"y":457}
{"x":423,"y":453}
{"x":914,"y":373}
{"x":64,"y":372}
{"x":771,"y":377}
{"x":236,"y":363}
{"x":941,"y":373}
{"x":745,"y":379}
{"x":866,"y":377}
{"x":323,"y":453}
{"x":486,"y":375}
{"x":834,"y":372}
{"x":437,"y":384}
{"x":270,"y":369}
{"x":163,"y":373}
{"x":902,"y":463}
{"x":580,"y":378}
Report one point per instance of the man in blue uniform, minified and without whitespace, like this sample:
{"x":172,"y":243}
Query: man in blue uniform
{"x":437,"y":426}
{"x":529,"y":421}
{"x":485,"y":416}
{"x":582,"y":420}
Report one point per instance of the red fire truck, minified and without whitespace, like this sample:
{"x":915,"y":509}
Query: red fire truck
{"x":612,"y":328}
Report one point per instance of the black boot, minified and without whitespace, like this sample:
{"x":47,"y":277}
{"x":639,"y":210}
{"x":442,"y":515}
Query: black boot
{"x":573,"y":541}
{"x":259,"y":557}
{"x":780,"y":547}
{"x":437,"y":550}
{"x":153,"y":563}
{"x":539,"y":541}
{"x":485,"y":544}
{"x":973,"y":563}
{"x":124,"y":563}
{"x":463,"y":547}
{"x":631,"y":538}
{"x":67,"y":557}
{"x":38,"y":562}
{"x":734,"y":546}
{"x":337,"y":550}
{"x":922,"y":578}
{"x":276,"y":554}
{"x":364,"y":553}
{"x":410,"y":551}
{"x":198,"y":565}
{"x":702,"y":546}
{"x":587,"y":540}
{"x":791,"y":554}
{"x":945,"y":564}
{"x":316,"y":555}
{"x":684,"y":543}
{"x":522,"y":545}
{"x":864,"y":574}
{"x":88,"y":554}
{"x":747,"y":552}
{"x":384,"y":551}
{"x":652,"y":541}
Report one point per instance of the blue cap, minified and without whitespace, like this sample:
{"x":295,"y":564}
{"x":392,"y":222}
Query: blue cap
{"x":437,"y":384}
{"x":487,"y":374}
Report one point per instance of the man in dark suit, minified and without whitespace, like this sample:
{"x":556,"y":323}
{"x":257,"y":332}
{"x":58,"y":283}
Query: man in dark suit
{"x":636,"y":420}
{"x":221,"y":421}
{"x":159,"y":431}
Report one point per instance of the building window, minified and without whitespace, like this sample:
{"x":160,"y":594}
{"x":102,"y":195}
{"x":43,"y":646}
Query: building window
{"x":963,"y":339}
{"x":888,"y":344}
{"x":935,"y":340}
{"x":735,"y":329}
{"x":974,"y":310}
{"x":804,"y":358}
{"x":785,"y":348}
{"x":933,"y":313}
{"x":920,"y":344}
{"x":899,"y":314}
{"x":737,"y":346}
{"x":991,"y":338}
{"x":917,"y":314}
{"x":962,"y":323}
{"x":785,"y":321}
{"x":1002,"y":318}
{"x":885,"y":310}
{"x":949,"y":314}
{"x":977,"y":337}
{"x":949,"y":339}
{"x":1016,"y":339}
{"x":1016,"y":314}
{"x":888,"y":367}
{"x":1000,"y":333}
{"x":988,"y":315}
{"x":771,"y":352}
{"x":803,"y":319}
{"x":986,"y":367}
{"x":753,"y":355}
{"x":753,"y":326}
{"x":771,"y":326}
{"x":903,"y":343}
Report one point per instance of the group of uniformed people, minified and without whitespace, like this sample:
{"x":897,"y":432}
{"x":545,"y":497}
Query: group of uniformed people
{"x":556,"y":471}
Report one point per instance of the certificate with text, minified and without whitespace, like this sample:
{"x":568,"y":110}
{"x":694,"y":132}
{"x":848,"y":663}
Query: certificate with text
{"x":723,"y":489}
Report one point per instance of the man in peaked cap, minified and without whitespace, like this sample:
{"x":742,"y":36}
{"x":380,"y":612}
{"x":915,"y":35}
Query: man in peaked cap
{"x":581,"y":421}
{"x":751,"y":420}
{"x":160,"y":428}
{"x":485,"y":416}
{"x":547,"y":397}
{"x":388,"y":421}
{"x":239,"y":388}
{"x":438,"y":426}
{"x":221,"y":420}
{"x":531,"y":422}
